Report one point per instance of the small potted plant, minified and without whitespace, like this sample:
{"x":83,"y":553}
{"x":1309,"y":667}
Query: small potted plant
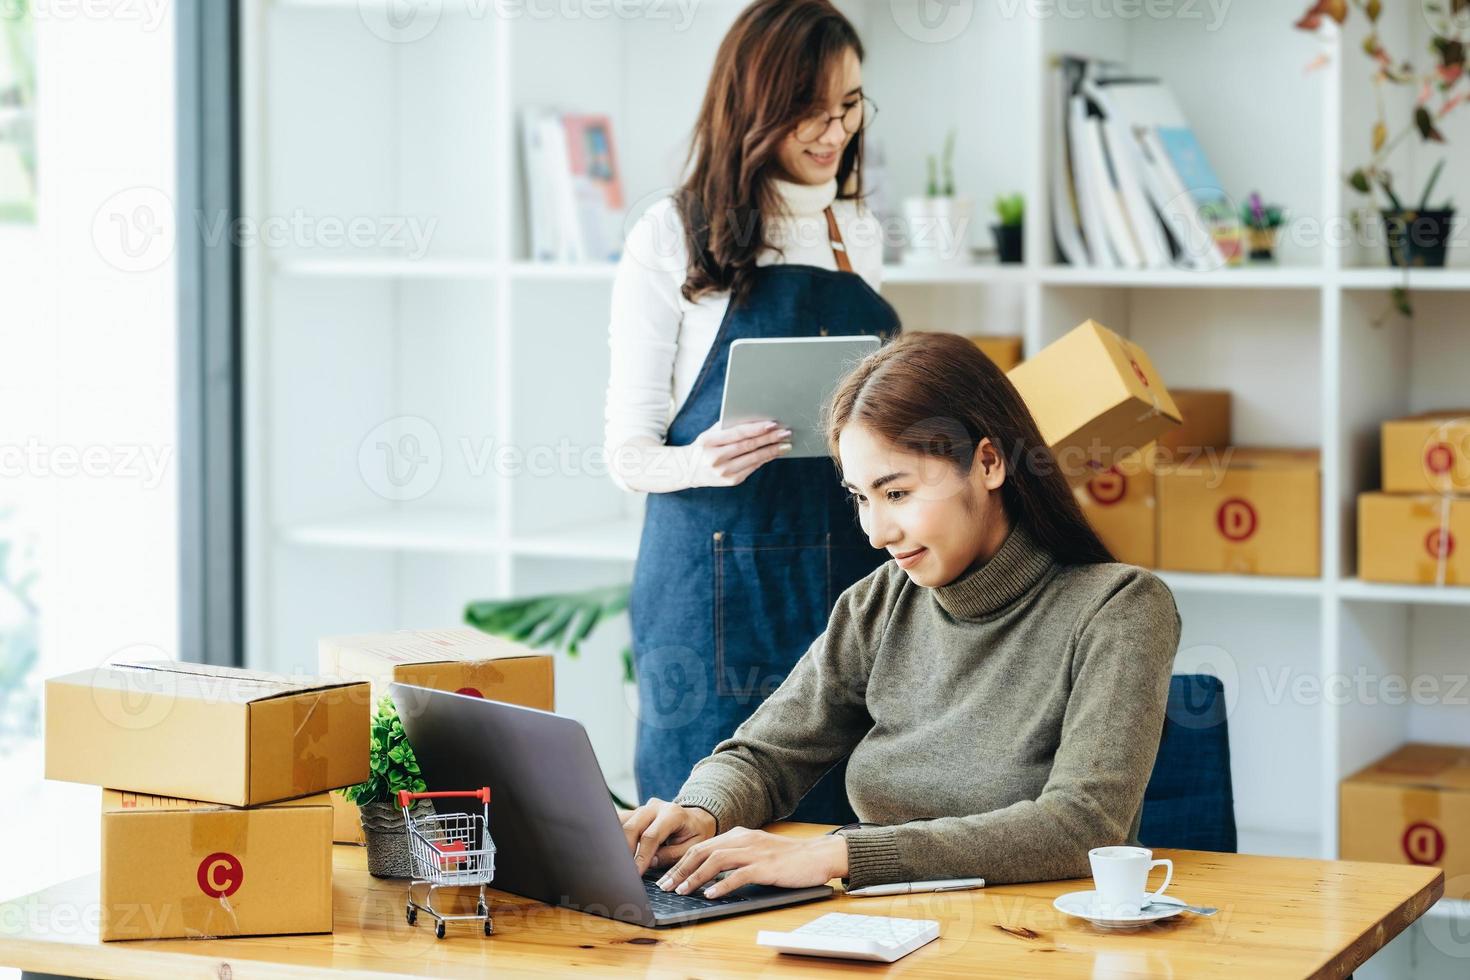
{"x":393,"y":768}
{"x":1416,"y":236}
{"x":939,"y":222}
{"x":1011,"y":210}
{"x":1262,"y":222}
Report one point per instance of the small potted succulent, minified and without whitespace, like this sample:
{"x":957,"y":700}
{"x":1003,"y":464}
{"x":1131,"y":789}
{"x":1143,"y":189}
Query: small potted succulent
{"x":393,"y":768}
{"x":1262,"y":222}
{"x":939,"y":222}
{"x":1010,"y":209}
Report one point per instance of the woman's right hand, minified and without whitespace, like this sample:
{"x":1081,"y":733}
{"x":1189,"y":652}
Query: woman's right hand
{"x":659,"y":833}
{"x":725,"y":457}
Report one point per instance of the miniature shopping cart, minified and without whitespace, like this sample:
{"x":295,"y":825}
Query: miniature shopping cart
{"x":449,"y":849}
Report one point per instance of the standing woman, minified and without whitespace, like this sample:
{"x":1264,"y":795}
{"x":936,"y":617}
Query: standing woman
{"x":743,"y":554}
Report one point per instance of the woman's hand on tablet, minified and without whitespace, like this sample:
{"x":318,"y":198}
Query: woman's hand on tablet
{"x":659,"y":832}
{"x":725,"y":457}
{"x":754,"y":857}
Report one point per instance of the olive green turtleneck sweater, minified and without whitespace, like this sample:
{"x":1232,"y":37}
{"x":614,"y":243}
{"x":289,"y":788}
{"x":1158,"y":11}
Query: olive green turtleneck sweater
{"x":999,"y":726}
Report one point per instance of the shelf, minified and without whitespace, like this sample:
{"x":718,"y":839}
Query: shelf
{"x":1425,"y":279}
{"x":387,"y":267}
{"x":446,"y":530}
{"x":581,"y":271}
{"x":451,"y":530}
{"x":1243,"y":277}
{"x":614,"y":540}
{"x":1430,"y":595}
{"x":1240,"y":584}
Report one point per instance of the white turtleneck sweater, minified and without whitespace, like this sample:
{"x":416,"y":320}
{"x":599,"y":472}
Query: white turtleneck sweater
{"x":660,"y":340}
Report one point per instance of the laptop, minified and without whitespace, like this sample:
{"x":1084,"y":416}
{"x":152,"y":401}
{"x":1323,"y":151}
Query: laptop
{"x":557,"y":835}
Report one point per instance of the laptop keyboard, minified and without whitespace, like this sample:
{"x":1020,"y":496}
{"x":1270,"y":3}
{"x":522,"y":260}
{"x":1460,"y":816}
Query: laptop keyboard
{"x":671,"y":903}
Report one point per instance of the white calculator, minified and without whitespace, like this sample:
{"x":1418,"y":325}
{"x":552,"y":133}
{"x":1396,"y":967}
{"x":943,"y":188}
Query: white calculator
{"x":880,"y":938}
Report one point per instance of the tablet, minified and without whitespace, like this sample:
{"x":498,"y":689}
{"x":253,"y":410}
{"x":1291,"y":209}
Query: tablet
{"x":789,"y":379}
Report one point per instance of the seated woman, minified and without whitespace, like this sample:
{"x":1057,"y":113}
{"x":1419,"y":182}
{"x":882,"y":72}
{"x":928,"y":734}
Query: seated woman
{"x":1000,"y":685}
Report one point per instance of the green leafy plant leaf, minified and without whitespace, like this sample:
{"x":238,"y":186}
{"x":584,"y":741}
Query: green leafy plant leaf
{"x":390,"y":758}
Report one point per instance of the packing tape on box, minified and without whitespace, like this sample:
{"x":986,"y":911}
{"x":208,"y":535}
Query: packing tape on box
{"x":221,"y":845}
{"x":308,"y":745}
{"x":1442,"y":543}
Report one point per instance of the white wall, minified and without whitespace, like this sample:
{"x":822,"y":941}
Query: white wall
{"x":88,"y":367}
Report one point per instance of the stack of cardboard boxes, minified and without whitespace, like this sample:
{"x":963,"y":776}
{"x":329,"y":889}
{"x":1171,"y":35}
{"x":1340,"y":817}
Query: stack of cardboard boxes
{"x":1158,"y":478}
{"x":1416,"y":529}
{"x":215,"y":818}
{"x":459,"y":659}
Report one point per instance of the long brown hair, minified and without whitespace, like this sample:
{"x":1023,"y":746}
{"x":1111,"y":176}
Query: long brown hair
{"x":936,"y":394}
{"x":772,"y":69}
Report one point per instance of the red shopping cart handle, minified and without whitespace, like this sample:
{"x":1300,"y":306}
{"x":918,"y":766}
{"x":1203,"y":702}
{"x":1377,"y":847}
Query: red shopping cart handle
{"x":482,"y":794}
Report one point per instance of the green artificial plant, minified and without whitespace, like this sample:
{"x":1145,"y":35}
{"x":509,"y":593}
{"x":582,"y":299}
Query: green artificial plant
{"x":391,"y":760}
{"x":557,"y":621}
{"x":1010,"y":208}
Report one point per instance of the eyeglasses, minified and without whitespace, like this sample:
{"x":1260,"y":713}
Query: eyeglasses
{"x":854,"y":117}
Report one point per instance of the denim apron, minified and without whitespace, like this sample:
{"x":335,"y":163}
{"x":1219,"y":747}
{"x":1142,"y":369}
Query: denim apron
{"x":733,"y":584}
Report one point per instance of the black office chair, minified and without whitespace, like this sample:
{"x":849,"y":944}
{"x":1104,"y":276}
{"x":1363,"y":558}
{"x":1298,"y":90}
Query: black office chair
{"x":1189,"y":801}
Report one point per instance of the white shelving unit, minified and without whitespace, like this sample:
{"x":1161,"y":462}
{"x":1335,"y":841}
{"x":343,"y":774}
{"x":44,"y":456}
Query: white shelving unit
{"x":349,"y":352}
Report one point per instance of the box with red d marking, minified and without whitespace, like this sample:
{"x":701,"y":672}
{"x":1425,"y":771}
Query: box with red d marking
{"x":237,"y":737}
{"x":1119,"y":503}
{"x":184,"y":869}
{"x":1415,"y":538}
{"x":1248,"y":512}
{"x":1428,"y":453}
{"x":1410,"y":807}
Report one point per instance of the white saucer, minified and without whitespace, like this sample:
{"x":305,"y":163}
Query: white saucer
{"x":1084,"y":906}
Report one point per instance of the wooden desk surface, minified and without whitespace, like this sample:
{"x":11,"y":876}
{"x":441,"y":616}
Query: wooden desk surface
{"x":1279,"y":917}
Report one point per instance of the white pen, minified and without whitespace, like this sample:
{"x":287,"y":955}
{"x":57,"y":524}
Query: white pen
{"x":914,"y":887}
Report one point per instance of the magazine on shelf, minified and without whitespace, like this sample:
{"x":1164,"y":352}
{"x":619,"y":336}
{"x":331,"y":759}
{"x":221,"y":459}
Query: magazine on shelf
{"x":1127,"y":163}
{"x":1066,"y":219}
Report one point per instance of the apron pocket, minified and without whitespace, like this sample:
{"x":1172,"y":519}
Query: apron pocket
{"x":771,"y":602}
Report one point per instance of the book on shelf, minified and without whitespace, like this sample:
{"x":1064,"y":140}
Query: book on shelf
{"x":1130,"y":178}
{"x":573,"y":192}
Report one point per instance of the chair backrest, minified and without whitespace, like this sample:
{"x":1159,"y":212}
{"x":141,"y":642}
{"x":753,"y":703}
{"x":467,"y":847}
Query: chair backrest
{"x":1189,"y":801}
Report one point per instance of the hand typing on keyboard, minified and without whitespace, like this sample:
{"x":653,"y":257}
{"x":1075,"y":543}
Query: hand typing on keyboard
{"x":754,"y":857}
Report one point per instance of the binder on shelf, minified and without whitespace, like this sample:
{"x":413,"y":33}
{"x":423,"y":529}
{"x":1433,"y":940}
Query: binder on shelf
{"x":1066,"y":221}
{"x":573,"y":188}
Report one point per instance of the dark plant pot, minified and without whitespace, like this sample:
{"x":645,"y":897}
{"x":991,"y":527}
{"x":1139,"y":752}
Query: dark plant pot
{"x":387,"y":840}
{"x":1008,"y":242}
{"x":1417,"y":238}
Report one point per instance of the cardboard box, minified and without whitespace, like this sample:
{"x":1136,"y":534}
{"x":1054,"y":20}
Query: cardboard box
{"x":1428,"y":453}
{"x":1410,"y":807}
{"x":1005,"y":351}
{"x":1416,"y":538}
{"x":1120,"y":504}
{"x":1095,"y":397}
{"x":1257,"y":514}
{"x":198,"y":732}
{"x":1206,"y":413}
{"x":458,"y":659}
{"x":180,"y":868}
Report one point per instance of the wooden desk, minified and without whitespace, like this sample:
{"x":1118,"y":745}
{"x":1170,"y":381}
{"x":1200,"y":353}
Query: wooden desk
{"x":1279,"y":917}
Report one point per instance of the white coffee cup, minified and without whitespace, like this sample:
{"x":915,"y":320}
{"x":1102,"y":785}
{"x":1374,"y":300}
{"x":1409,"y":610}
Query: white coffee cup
{"x":1120,"y":875}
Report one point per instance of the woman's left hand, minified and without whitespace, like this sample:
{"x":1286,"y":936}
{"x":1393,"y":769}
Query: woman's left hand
{"x":754,"y":857}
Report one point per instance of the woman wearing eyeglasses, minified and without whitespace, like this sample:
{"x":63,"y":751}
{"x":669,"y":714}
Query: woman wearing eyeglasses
{"x":743,"y":553}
